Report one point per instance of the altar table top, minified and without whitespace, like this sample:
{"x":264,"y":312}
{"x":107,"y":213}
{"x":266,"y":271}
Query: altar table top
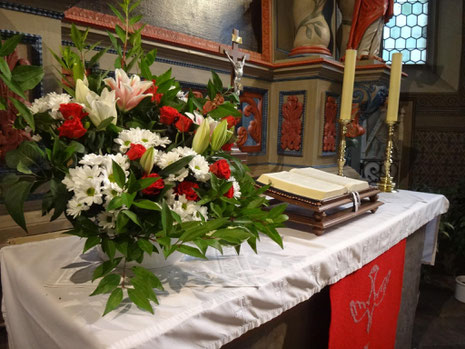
{"x":205,"y":303}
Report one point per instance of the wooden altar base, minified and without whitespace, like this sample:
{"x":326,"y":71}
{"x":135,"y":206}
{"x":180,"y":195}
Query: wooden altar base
{"x":324,"y":214}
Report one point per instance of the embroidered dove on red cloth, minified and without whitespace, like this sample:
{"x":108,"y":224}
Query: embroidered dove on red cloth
{"x":365,"y":304}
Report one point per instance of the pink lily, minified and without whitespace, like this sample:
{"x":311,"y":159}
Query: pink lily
{"x":129,"y":91}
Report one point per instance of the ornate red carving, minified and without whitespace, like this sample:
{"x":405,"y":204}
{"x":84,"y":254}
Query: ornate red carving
{"x":291,"y":127}
{"x":329,"y":131}
{"x":365,"y":13}
{"x":253,"y":110}
{"x":10,"y":137}
{"x":354,"y":129}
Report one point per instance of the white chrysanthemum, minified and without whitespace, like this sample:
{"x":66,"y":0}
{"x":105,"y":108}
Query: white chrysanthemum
{"x":169,"y":197}
{"x":185,"y":151}
{"x":92,"y":160}
{"x":40,"y":105}
{"x":168,"y":158}
{"x":189,"y":210}
{"x":236,"y":187}
{"x":79,"y":176}
{"x":75,"y":208}
{"x":140,"y":136}
{"x":54,"y":102}
{"x":178,"y":176}
{"x":200,"y":168}
{"x":107,"y":220}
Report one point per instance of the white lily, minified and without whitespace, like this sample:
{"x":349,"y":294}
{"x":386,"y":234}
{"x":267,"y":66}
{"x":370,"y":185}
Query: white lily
{"x":101,"y":107}
{"x":82,"y":91}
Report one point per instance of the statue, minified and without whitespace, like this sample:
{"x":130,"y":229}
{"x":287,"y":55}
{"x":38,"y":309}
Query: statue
{"x":238,"y":72}
{"x":312,"y":32}
{"x":368,"y":19}
{"x":235,"y":56}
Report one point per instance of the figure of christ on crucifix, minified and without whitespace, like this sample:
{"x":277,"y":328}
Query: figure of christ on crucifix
{"x":237,"y":58}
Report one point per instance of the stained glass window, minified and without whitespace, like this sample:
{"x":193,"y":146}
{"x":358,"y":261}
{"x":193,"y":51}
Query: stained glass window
{"x":406,"y":32}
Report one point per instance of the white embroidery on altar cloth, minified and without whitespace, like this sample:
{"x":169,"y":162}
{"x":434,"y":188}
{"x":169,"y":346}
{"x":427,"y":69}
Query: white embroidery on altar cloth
{"x":358,"y":309}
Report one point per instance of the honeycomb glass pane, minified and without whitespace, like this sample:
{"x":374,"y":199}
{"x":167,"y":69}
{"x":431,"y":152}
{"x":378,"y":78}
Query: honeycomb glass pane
{"x":406,"y":32}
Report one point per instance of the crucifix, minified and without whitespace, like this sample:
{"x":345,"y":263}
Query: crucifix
{"x":237,"y":58}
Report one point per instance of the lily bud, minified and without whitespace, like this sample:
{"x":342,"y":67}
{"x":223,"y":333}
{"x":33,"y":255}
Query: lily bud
{"x":202,"y":137}
{"x":220,"y":135}
{"x":147,"y":160}
{"x":82,"y":91}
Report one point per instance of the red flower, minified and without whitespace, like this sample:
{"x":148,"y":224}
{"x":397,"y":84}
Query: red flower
{"x":168,"y":115}
{"x":136,"y":151}
{"x":221,"y":169}
{"x":187,"y":188}
{"x":232,"y":121}
{"x":72,"y":128}
{"x":230,"y":193}
{"x":183,"y":124}
{"x":156,"y":97}
{"x":72,"y":111}
{"x":227,"y":147}
{"x":154,"y":188}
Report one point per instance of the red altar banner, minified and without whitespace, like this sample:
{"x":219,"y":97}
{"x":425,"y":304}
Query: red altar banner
{"x":365,"y":304}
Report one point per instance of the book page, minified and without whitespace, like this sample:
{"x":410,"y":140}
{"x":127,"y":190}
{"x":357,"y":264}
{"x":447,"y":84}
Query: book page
{"x":301,"y":185}
{"x":350,"y":183}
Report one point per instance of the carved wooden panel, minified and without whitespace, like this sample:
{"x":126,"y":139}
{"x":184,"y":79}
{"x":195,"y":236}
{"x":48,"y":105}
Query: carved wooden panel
{"x":291,"y":122}
{"x":251,"y":131}
{"x":330,"y":123}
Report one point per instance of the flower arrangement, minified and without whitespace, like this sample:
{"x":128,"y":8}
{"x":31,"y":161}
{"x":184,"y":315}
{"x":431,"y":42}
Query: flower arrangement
{"x":134,"y":163}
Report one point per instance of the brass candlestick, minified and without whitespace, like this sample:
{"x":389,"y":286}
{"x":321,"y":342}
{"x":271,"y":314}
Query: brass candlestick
{"x":341,"y":156}
{"x":386,"y":184}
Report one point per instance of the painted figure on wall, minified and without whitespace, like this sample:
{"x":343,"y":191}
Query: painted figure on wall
{"x":312,"y":31}
{"x":366,"y":29}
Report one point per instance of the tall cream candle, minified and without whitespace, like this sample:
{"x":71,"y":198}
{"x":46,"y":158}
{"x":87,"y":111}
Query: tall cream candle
{"x":348,"y":85}
{"x":394,"y":88}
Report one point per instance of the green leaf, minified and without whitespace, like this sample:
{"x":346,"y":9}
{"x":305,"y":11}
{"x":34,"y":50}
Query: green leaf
{"x":223,"y":110}
{"x":176,"y":166}
{"x":108,"y":246}
{"x":3,"y":104}
{"x":14,"y":195}
{"x":132,"y":216}
{"x":120,"y":32}
{"x":76,"y":36}
{"x":103,"y":125}
{"x":106,"y":267}
{"x":235,"y":235}
{"x":9,"y":45}
{"x":145,"y":274}
{"x":114,"y":300}
{"x":91,"y":241}
{"x":27,"y":76}
{"x":107,"y":284}
{"x":139,"y":299}
{"x":4,"y":69}
{"x":145,"y":245}
{"x":191,"y":251}
{"x":147,"y":205}
{"x":115,"y":203}
{"x":117,"y":13}
{"x":118,"y":174}
{"x":24,"y":112}
{"x":60,"y":197}
{"x":13,"y":86}
{"x":166,"y":218}
{"x":135,"y":19}
{"x":211,"y":90}
{"x":144,"y":288}
{"x":128,"y":199}
{"x":133,"y":6}
{"x":147,"y":182}
{"x":121,"y":221}
{"x":21,"y":167}
{"x":217,"y":81}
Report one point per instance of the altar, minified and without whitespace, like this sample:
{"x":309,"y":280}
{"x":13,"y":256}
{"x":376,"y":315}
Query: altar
{"x":206,"y":304}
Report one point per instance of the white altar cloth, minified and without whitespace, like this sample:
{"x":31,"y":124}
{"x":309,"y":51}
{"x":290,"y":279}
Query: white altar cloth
{"x":205,"y":303}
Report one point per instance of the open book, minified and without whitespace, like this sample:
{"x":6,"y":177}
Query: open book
{"x":312,"y":183}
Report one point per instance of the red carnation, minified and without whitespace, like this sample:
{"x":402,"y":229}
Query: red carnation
{"x":72,"y":111}
{"x":230,"y":193}
{"x":221,"y":169}
{"x":136,"y":151}
{"x":183,"y":124}
{"x":227,"y":147}
{"x":154,"y":188}
{"x":232,"y":121}
{"x":72,"y":128}
{"x":156,"y":97}
{"x":187,"y":188}
{"x":168,"y":115}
